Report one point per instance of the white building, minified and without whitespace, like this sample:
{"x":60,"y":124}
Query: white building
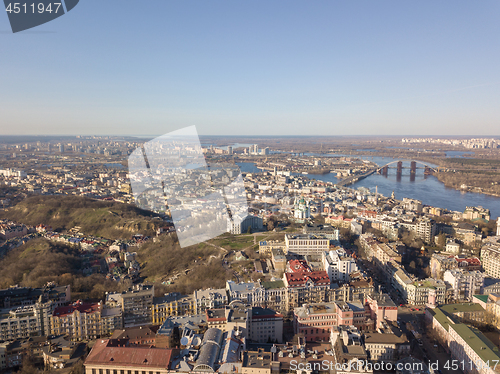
{"x":301,"y":211}
{"x":427,"y":291}
{"x":210,"y":299}
{"x":26,"y":321}
{"x":240,"y":226}
{"x":338,"y":265}
{"x":471,"y":346}
{"x":8,"y":173}
{"x":490,"y":259}
{"x":306,"y":244}
{"x":465,"y":284}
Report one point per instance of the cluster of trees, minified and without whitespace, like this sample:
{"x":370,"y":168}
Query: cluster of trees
{"x":487,"y":181}
{"x":39,"y":261}
{"x":165,"y":258}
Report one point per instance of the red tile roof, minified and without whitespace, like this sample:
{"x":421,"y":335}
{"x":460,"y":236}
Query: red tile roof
{"x":298,"y":266}
{"x":470,"y":261}
{"x":320,"y":278}
{"x":105,"y":353}
{"x":81,"y":307}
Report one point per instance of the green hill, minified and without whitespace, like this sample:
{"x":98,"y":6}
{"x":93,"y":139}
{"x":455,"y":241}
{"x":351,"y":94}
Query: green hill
{"x":100,"y":218}
{"x":39,"y":261}
{"x":165,"y":260}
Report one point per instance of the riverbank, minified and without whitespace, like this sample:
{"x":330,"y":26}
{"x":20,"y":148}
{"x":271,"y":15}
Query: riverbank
{"x":478,"y":182}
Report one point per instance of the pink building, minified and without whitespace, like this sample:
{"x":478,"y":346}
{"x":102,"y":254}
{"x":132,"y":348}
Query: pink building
{"x":382,"y":308}
{"x":315,"y":321}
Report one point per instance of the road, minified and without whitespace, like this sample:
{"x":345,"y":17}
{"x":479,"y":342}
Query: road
{"x":426,"y":352}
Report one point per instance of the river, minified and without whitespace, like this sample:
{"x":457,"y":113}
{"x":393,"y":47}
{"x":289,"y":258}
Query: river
{"x":428,"y":189}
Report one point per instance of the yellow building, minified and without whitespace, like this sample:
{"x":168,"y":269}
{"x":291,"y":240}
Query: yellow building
{"x":172,"y":306}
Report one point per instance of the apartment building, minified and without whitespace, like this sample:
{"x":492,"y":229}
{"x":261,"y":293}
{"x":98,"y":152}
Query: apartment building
{"x":25,"y":321}
{"x":266,"y":326}
{"x":490,"y":258}
{"x":338,"y":265}
{"x":246,"y":292}
{"x":303,"y":285}
{"x":473,"y":213}
{"x":464,"y":284}
{"x":85,"y":321}
{"x":428,"y":291}
{"x":135,"y":303}
{"x":274,"y":295}
{"x":173,"y":304}
{"x":306,"y":244}
{"x":15,"y":296}
{"x":210,"y":299}
{"x":412,"y":205}
{"x":233,"y":317}
{"x":270,"y":294}
{"x":315,"y":321}
{"x":278,"y":259}
{"x":425,"y":229}
{"x":382,"y":309}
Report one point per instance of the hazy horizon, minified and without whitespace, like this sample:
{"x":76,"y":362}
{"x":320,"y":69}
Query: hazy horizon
{"x":237,"y":68}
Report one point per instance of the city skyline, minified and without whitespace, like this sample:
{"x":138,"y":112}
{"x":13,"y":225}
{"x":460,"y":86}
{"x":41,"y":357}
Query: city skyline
{"x":241,"y":69}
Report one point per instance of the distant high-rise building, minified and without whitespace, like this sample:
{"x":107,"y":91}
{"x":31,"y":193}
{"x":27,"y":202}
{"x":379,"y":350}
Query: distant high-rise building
{"x":229,"y":149}
{"x":61,"y":148}
{"x":498,"y":226}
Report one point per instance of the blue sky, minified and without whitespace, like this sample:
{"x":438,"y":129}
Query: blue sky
{"x":255,"y":67}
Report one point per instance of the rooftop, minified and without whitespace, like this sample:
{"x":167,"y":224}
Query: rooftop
{"x":104,"y":353}
{"x":478,"y":342}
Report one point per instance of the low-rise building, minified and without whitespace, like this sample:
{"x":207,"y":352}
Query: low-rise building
{"x":240,"y":226}
{"x":306,"y":244}
{"x":388,"y":344}
{"x":114,"y":355}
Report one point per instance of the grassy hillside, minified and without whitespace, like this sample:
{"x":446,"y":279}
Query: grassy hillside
{"x":40,"y":261}
{"x":165,"y":260}
{"x":108,"y":219}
